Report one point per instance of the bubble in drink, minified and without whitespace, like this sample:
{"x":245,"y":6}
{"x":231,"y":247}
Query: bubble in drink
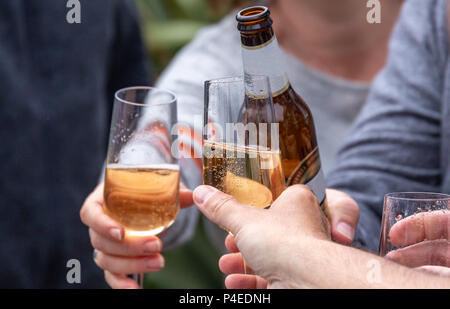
{"x":144,"y":199}
{"x":252,"y":176}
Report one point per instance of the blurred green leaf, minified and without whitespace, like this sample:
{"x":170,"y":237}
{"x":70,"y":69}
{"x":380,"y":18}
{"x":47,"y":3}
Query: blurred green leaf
{"x":171,"y":35}
{"x":168,"y":25}
{"x":196,"y":9}
{"x":154,"y":9}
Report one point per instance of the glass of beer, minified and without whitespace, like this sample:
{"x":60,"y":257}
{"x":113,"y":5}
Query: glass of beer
{"x":142,"y":173}
{"x":241,"y":155}
{"x":415,"y":229}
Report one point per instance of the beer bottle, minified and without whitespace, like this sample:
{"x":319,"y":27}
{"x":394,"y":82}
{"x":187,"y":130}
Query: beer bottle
{"x":297,"y":139}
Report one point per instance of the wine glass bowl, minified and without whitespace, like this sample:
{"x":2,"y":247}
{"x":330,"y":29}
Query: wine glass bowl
{"x":415,"y":229}
{"x":142,"y":174}
{"x":241,"y":154}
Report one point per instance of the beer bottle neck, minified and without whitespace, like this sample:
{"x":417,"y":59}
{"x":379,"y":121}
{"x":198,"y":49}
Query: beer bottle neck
{"x":261,"y":55}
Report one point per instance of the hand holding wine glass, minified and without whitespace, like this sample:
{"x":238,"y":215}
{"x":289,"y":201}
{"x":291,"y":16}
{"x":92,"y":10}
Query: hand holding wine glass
{"x":415,"y":230}
{"x":117,"y":255}
{"x":343,"y":215}
{"x":241,"y":155}
{"x":141,"y":189}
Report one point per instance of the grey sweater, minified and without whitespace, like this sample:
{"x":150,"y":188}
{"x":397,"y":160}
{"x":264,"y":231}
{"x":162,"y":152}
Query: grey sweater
{"x":401,"y":140}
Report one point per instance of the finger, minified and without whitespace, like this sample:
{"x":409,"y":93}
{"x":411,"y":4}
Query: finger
{"x":230,"y":244}
{"x":343,"y":213}
{"x":232,"y":263}
{"x":223,"y":209}
{"x":435,"y":270}
{"x":432,"y":252}
{"x":238,"y":281}
{"x":120,"y":281}
{"x":186,"y":199}
{"x":92,"y":215}
{"x":294,"y":197}
{"x":421,"y":226}
{"x":298,"y":201}
{"x":129,"y":265}
{"x":130,"y":246}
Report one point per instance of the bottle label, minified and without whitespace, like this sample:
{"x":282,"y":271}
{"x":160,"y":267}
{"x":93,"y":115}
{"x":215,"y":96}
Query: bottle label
{"x":307,"y":172}
{"x":266,"y":59}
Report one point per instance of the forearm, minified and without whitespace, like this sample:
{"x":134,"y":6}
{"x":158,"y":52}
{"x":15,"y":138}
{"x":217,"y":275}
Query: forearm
{"x":325,"y":264}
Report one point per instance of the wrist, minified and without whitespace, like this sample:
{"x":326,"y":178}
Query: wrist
{"x":304,"y":262}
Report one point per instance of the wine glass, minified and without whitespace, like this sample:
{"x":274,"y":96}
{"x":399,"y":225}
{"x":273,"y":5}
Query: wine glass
{"x":415,"y":229}
{"x":142,"y":173}
{"x":241,"y":155}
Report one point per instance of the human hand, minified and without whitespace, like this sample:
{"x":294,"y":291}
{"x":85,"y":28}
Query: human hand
{"x":425,"y":240}
{"x":116,"y":254}
{"x":265,"y":237}
{"x":343,"y":214}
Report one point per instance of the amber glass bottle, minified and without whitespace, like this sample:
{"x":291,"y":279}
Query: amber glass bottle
{"x":298,"y":144}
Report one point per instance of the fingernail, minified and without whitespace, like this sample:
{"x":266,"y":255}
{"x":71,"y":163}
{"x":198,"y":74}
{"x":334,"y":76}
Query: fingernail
{"x":116,"y":234}
{"x":152,"y":246}
{"x":155,"y":263}
{"x":346,"y":230}
{"x":202,"y":194}
{"x":94,"y":255}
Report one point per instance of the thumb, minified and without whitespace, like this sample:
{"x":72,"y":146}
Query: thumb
{"x":223,"y":209}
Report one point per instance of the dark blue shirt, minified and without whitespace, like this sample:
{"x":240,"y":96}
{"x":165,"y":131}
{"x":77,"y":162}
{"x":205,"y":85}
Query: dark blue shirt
{"x":56,"y":92}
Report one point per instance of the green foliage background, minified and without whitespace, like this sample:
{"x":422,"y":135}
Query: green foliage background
{"x":168,"y":25}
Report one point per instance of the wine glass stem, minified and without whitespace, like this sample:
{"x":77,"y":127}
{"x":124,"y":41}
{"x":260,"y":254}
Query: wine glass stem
{"x":139,"y":278}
